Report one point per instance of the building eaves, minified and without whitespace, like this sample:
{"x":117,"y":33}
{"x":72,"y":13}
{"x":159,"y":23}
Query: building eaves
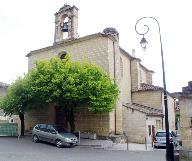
{"x":149,"y":111}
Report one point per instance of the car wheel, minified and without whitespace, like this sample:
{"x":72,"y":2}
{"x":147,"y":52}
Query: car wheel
{"x":35,"y":139}
{"x":58,"y":143}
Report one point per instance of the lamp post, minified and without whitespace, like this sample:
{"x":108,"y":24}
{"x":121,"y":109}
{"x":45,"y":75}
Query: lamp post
{"x":143,"y":42}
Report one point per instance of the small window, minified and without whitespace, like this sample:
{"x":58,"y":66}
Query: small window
{"x":62,"y":55}
{"x":191,"y":122}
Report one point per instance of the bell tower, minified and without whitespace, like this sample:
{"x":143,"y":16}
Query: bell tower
{"x":66,"y":23}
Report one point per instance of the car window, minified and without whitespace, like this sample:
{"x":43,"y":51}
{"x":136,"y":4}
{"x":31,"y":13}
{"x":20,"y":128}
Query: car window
{"x":43,"y":127}
{"x":162,"y":134}
{"x":60,"y":129}
{"x":50,"y":128}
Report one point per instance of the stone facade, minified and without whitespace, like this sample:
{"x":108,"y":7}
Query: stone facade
{"x":148,"y":98}
{"x":139,"y":74}
{"x":185,"y":104}
{"x":43,"y":115}
{"x":90,"y":122}
{"x":185,"y":122}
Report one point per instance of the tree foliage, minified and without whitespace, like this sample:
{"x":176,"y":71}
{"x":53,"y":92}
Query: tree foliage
{"x":72,"y":83}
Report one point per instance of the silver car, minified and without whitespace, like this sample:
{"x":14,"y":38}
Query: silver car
{"x":160,"y":139}
{"x":53,"y":134}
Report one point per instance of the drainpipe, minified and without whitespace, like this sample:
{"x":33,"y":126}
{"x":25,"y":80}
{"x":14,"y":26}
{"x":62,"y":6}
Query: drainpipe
{"x":114,"y":70}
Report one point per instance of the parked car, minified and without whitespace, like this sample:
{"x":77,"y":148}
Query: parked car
{"x":160,"y":138}
{"x":53,"y":134}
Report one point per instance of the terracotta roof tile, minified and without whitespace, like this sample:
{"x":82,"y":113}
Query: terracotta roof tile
{"x":146,"y":87}
{"x":145,"y":109}
{"x":150,"y":87}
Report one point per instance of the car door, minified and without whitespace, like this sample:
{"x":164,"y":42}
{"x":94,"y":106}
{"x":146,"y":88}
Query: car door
{"x":41,"y":132}
{"x":52,"y":134}
{"x":44,"y":133}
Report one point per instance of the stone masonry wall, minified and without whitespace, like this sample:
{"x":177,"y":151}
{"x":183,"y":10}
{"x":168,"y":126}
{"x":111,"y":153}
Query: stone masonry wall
{"x":86,"y":121}
{"x":125,"y":80}
{"x":43,"y":115}
{"x":145,"y":75}
{"x":134,"y":74}
{"x":135,"y":125}
{"x":185,"y":122}
{"x":94,"y":50}
{"x":148,"y":98}
{"x":171,"y":112}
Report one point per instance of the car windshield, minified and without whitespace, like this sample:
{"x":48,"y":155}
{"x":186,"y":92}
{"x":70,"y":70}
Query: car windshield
{"x":60,"y":129}
{"x":161,"y":134}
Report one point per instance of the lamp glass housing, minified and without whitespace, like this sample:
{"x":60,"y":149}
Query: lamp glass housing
{"x":143,"y":43}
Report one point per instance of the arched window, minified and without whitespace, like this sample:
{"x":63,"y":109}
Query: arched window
{"x":121,"y":67}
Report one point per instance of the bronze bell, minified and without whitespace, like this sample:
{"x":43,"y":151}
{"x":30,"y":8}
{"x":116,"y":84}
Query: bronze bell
{"x":64,"y":27}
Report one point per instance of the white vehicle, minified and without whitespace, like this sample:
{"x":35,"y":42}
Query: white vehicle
{"x":160,"y":138}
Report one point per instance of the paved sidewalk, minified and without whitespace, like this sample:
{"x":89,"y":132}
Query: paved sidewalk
{"x":109,"y":145}
{"x":132,"y":147}
{"x":102,"y":144}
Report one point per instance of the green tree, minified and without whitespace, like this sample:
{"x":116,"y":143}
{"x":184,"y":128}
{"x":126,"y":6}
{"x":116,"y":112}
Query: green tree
{"x":68,"y":84}
{"x":16,"y":100}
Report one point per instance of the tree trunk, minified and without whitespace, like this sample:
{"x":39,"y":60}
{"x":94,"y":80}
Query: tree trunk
{"x":71,"y":120}
{"x":21,"y":117}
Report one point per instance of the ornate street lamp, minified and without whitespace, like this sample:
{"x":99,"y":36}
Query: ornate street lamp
{"x":143,"y":42}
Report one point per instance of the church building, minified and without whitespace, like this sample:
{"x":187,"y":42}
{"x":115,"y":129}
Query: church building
{"x":139,"y":111}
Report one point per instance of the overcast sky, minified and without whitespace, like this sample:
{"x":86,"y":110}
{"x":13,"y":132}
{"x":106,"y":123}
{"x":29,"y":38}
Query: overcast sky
{"x":27,"y":25}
